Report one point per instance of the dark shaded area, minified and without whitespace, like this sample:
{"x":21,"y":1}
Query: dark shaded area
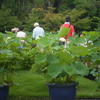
{"x":1,"y":3}
{"x":56,"y":5}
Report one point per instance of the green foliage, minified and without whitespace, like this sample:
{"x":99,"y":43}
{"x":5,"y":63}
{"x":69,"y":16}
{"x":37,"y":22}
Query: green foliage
{"x":52,"y":22}
{"x":79,"y":50}
{"x":6,"y":20}
{"x":77,"y":40}
{"x":98,"y":28}
{"x":94,"y":22}
{"x":27,"y":54}
{"x":93,"y":45}
{"x":90,"y":5}
{"x":93,"y":35}
{"x":9,"y":57}
{"x":61,"y":66}
{"x":83,"y":24}
{"x":35,"y":16}
{"x":47,"y":19}
{"x":11,"y":5}
{"x":78,"y":20}
{"x":39,"y":3}
{"x":57,"y":64}
{"x":65,"y":5}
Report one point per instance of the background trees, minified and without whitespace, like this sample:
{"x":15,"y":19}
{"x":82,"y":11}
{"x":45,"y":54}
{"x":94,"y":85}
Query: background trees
{"x":49,"y":13}
{"x":7,"y":20}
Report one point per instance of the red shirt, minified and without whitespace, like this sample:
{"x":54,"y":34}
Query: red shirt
{"x":71,"y":30}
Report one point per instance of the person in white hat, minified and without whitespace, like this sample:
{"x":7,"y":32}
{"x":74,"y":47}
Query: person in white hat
{"x":38,"y":31}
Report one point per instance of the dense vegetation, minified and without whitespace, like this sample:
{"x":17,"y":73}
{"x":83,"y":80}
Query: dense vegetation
{"x":49,"y":13}
{"x":32,"y":85}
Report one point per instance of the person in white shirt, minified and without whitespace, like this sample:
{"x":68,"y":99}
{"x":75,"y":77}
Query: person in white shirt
{"x":38,"y":31}
{"x":21,"y":32}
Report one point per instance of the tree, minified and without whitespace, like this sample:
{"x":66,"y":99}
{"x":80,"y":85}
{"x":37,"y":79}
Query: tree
{"x":65,"y":5}
{"x":7,"y":21}
{"x":94,"y":23}
{"x":78,"y":19}
{"x":90,"y":5}
{"x":35,"y":15}
{"x":22,"y":9}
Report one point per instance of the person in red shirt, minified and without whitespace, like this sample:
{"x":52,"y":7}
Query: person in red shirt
{"x":68,"y":25}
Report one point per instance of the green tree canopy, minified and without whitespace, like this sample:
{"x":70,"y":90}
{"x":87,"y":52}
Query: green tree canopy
{"x":6,"y":20}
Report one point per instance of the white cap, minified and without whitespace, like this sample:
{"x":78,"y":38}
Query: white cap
{"x":36,"y":24}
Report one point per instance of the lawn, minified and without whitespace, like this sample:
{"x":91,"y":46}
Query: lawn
{"x":30,"y":85}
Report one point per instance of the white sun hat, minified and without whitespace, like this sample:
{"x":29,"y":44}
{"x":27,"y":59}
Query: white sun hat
{"x":36,"y":24}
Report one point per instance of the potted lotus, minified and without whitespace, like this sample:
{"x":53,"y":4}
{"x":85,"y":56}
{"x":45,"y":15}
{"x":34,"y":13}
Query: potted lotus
{"x":60,"y":66}
{"x":9,"y":57}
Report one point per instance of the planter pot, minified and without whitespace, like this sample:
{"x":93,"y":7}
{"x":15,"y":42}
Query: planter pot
{"x":62,"y":92}
{"x":4,"y":91}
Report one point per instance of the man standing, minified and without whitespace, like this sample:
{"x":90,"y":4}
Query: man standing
{"x":71,"y":30}
{"x":69,"y":33}
{"x":37,"y":31}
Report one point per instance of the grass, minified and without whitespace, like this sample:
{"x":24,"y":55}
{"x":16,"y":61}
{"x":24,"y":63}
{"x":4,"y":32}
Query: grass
{"x":87,"y":88}
{"x":28,"y":85}
{"x":33,"y":85}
